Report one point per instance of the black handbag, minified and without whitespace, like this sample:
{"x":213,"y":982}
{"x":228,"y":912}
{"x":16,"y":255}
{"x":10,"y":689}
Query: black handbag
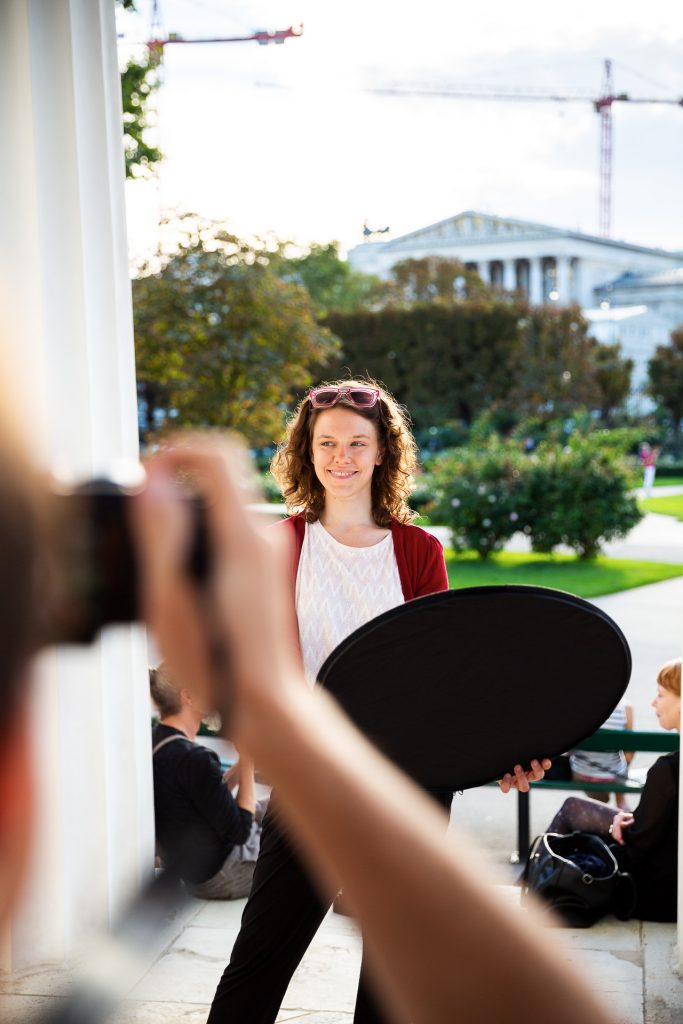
{"x":579,"y":877}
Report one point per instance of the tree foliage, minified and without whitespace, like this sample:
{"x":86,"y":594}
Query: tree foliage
{"x":435,"y":279}
{"x":553,"y":366}
{"x":451,"y":361}
{"x":330,"y":281}
{"x":613,"y":378}
{"x":139,"y":79}
{"x":665,"y":385}
{"x":221,"y":339}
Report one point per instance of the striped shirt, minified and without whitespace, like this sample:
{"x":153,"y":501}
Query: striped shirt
{"x":603,"y":764}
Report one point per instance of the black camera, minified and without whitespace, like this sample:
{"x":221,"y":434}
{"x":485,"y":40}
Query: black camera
{"x":88,"y":576}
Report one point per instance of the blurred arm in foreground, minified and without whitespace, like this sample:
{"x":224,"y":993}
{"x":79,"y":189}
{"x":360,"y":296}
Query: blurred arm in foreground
{"x":440,"y":942}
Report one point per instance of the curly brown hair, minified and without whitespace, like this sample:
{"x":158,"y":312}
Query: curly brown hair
{"x":292,"y":465}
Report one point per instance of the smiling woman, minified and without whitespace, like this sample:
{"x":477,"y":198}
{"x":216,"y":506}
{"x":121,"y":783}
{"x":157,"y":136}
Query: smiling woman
{"x":345,"y":469}
{"x":381,"y":421}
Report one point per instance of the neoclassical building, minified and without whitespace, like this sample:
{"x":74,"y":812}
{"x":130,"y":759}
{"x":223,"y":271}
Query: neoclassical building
{"x":630,"y":293}
{"x":547,"y":263}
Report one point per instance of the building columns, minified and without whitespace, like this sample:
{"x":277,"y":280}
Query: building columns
{"x":536,"y":297}
{"x":564,"y":290}
{"x":509,"y":276}
{"x":66,"y":311}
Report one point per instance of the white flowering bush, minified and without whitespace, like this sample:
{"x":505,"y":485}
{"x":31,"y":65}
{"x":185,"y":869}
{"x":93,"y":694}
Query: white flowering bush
{"x":479,"y":494}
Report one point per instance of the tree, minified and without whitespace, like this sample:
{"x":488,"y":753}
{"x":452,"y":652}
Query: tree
{"x":554,"y":369}
{"x":443,"y":362}
{"x":435,"y":279}
{"x":330,"y":281}
{"x":665,"y":385}
{"x":613,"y":378}
{"x":139,"y":79}
{"x":221,"y":339}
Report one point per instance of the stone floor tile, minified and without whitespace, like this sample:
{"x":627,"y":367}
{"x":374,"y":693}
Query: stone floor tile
{"x":22,"y":1009}
{"x":220,"y":914}
{"x":609,"y":934}
{"x":51,"y":980}
{"x":609,"y":972}
{"x":161,"y":1013}
{"x":663,"y":979}
{"x":319,"y":1017}
{"x":189,"y":971}
{"x":327,"y":978}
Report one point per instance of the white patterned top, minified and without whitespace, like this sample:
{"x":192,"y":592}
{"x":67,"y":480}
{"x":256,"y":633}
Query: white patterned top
{"x":338,"y":589}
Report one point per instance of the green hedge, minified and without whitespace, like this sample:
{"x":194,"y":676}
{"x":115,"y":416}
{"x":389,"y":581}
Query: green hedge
{"x":576,"y":494}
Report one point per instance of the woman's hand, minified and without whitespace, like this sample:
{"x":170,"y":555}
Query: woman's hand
{"x":620,"y":821}
{"x":231,"y":777}
{"x":521,"y":780}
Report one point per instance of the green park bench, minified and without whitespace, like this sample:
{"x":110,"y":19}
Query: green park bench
{"x":604,"y":739}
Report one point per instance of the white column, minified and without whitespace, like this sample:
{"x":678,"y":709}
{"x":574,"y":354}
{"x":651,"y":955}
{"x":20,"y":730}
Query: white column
{"x":485,"y":271}
{"x":67,"y":314}
{"x":535,"y":281}
{"x":563,"y":278}
{"x":577,"y":285}
{"x":509,"y":276}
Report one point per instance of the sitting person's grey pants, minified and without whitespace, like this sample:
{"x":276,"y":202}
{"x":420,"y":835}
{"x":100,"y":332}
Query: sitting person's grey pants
{"x":233,"y":880}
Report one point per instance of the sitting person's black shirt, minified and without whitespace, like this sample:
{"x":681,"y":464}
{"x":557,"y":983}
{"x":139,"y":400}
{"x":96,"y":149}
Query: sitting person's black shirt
{"x":651,"y":842}
{"x":196,"y":817}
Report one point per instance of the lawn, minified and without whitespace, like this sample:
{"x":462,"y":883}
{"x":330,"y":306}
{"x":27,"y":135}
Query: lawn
{"x":562,"y":572}
{"x":671,"y":506}
{"x":668,"y":481}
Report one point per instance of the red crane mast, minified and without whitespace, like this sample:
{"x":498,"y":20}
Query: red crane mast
{"x":602,"y":106}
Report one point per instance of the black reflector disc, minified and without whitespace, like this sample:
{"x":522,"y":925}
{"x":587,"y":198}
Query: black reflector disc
{"x":458,"y":687}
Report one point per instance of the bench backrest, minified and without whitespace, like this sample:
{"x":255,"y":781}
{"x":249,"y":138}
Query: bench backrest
{"x":630,"y":739}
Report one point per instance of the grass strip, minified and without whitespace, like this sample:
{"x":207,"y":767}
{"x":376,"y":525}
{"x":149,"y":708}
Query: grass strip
{"x":668,"y":481}
{"x":562,"y":572}
{"x":669,"y":506}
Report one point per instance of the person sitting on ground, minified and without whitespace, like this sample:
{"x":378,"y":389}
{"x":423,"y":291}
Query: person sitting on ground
{"x":606,"y":765}
{"x":648,"y":838}
{"x":204,"y":833}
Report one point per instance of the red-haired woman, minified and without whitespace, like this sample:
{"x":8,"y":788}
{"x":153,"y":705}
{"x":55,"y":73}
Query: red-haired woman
{"x":345,"y":469}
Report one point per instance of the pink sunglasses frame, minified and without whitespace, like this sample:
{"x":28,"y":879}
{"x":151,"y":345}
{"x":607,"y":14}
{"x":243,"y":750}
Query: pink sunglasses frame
{"x":345,"y":393}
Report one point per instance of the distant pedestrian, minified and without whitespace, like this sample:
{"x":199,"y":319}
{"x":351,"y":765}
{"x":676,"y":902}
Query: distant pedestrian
{"x":648,"y":460}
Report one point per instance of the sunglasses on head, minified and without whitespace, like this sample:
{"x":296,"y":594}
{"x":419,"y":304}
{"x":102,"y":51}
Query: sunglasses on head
{"x":326,"y":397}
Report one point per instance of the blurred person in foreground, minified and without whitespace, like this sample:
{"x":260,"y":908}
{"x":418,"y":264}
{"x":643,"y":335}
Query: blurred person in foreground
{"x":436,"y":935}
{"x":344,"y":467}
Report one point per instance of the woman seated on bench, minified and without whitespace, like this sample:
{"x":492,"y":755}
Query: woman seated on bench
{"x":649,"y":837}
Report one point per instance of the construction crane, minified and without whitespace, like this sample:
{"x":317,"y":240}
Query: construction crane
{"x":263,"y":38}
{"x":602,"y":106}
{"x":158,"y":41}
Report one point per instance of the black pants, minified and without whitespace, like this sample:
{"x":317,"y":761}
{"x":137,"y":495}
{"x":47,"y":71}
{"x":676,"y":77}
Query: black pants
{"x":282,"y":914}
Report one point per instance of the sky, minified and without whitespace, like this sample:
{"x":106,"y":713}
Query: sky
{"x":292,"y":141}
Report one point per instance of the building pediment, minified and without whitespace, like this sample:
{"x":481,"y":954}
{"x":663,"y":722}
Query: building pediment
{"x":472,"y":226}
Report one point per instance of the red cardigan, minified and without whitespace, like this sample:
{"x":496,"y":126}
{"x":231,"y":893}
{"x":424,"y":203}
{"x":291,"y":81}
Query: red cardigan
{"x":419,"y":556}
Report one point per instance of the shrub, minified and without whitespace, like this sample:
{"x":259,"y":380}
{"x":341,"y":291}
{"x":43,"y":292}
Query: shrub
{"x":270,"y":489}
{"x":578,"y":496}
{"x":478,"y":493}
